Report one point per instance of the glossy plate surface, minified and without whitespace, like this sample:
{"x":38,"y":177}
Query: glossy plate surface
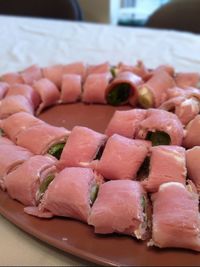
{"x":77,"y":238}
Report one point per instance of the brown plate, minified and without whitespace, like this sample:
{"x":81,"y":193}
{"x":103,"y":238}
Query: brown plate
{"x":77,"y":238}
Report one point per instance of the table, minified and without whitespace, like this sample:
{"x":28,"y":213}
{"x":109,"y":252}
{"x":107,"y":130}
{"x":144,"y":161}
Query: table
{"x":26,"y":41}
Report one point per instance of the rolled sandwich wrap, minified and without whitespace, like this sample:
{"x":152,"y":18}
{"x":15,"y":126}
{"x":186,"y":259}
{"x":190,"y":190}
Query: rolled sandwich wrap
{"x":71,"y":88}
{"x":167,"y":164}
{"x":186,"y":109}
{"x":95,"y":87}
{"x":125,"y":122}
{"x":11,"y":157}
{"x":161,"y":128}
{"x":29,"y":181}
{"x":153,"y":92}
{"x":98,"y":68}
{"x":13,"y":104}
{"x":83,"y":145}
{"x":122,"y":158}
{"x":121,"y":207}
{"x":176,"y":220}
{"x":3,"y":89}
{"x":192,"y":137}
{"x":123,"y":89}
{"x":167,"y":68}
{"x":5,"y":141}
{"x":68,"y":195}
{"x":48,"y":92}
{"x":193,"y":166}
{"x":11,"y":78}
{"x":43,"y":138}
{"x":187,"y":79}
{"x":31,"y":74}
{"x":25,"y":90}
{"x":18,"y":122}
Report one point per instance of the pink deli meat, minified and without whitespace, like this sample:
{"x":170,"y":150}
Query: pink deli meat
{"x":167,"y":164}
{"x":31,"y":74}
{"x":192,"y":137}
{"x":131,"y":79}
{"x":118,"y":208}
{"x":13,"y":104}
{"x":95,"y":86}
{"x":176,"y":220}
{"x":187,"y":79}
{"x":122,"y":157}
{"x":3,"y":89}
{"x":40,"y":138}
{"x":157,"y":86}
{"x":162,"y":121}
{"x":11,"y":157}
{"x":27,"y":91}
{"x":70,"y":88}
{"x":48,"y":92}
{"x":69,"y":194}
{"x":5,"y":141}
{"x":193,"y":166}
{"x":126,"y":122}
{"x":97,"y":69}
{"x":23,"y":183}
{"x":82,"y":145}
{"x":12,"y":78}
{"x":139,"y":69}
{"x":17,"y":123}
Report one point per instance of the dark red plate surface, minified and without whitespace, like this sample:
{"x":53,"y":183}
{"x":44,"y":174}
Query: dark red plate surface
{"x":77,"y":238}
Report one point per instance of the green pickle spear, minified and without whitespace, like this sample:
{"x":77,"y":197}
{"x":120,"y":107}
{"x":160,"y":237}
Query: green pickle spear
{"x":56,"y":150}
{"x":93,"y":193}
{"x":158,"y":138}
{"x":119,"y":94}
{"x":145,"y":98}
{"x":43,"y":186}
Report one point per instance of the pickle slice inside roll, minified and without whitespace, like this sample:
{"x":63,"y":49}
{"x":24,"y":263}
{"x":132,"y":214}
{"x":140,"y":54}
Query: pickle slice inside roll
{"x":94,"y":193}
{"x":145,"y":98}
{"x":158,"y":138}
{"x":119,"y":94}
{"x":43,"y":186}
{"x":56,"y":150}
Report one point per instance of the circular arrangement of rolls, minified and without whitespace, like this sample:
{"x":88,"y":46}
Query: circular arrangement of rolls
{"x":140,"y":178}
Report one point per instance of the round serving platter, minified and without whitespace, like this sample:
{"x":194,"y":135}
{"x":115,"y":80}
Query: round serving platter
{"x":78,"y":238}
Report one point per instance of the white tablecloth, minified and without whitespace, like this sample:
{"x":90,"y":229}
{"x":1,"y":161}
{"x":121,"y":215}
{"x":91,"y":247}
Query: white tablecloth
{"x":26,"y":41}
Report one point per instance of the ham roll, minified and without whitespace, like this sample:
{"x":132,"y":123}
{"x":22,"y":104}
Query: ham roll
{"x":18,"y":122}
{"x":12,"y":78}
{"x":25,"y":90}
{"x":29,"y":181}
{"x":31,"y":74}
{"x":123,"y":89}
{"x":187,"y":79}
{"x":176,"y":220}
{"x":95,"y":86}
{"x":161,"y":128}
{"x":126,"y":122}
{"x":43,"y":138}
{"x":70,"y":88}
{"x":121,"y":207}
{"x":70,"y":194}
{"x":122,"y":157}
{"x":167,"y":68}
{"x":3,"y":89}
{"x":192,"y":137}
{"x":83,"y":145}
{"x":48,"y":92}
{"x":5,"y":141}
{"x":11,"y":156}
{"x":97,"y":69}
{"x":167,"y":164}
{"x":13,"y":104}
{"x":153,"y":92}
{"x":193,"y":166}
{"x":55,"y":73}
